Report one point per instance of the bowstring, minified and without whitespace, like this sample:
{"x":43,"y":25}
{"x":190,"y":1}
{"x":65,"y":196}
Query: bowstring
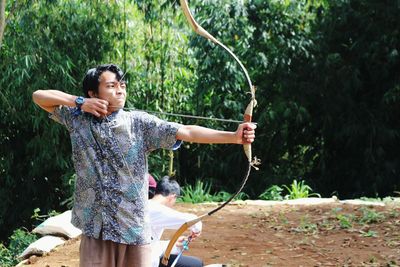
{"x":184,"y":248}
{"x":182,"y":115}
{"x":252,"y":91}
{"x":244,"y":181}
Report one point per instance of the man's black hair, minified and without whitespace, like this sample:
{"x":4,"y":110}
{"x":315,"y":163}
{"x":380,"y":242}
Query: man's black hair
{"x":168,"y":187}
{"x":92,"y":77}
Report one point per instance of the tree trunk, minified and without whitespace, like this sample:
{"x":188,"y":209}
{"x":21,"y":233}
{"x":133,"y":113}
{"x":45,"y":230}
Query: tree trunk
{"x":2,"y":19}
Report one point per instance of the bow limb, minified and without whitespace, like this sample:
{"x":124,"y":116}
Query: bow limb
{"x":188,"y":224}
{"x":201,"y":31}
{"x":247,"y":118}
{"x":177,"y":234}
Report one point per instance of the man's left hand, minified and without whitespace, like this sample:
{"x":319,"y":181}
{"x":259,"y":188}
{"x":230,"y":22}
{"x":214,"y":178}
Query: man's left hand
{"x":245,"y":133}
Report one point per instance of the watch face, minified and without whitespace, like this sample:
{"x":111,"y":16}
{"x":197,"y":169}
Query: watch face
{"x":80,"y":100}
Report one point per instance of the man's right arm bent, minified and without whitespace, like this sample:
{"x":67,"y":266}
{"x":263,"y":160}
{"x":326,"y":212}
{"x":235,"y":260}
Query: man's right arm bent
{"x":51,"y":99}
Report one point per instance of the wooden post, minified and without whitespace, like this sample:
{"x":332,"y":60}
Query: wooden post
{"x":171,"y":171}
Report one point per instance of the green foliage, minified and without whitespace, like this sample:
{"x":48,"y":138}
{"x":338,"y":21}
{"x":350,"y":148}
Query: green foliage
{"x":327,"y":82}
{"x":201,"y":192}
{"x":18,"y":242}
{"x":51,"y":45}
{"x":299,"y":190}
{"x":371,"y":216}
{"x":345,"y":221}
{"x":368,"y":216}
{"x":306,"y":226}
{"x":327,"y":87}
{"x":282,"y":35}
{"x":369,"y":233}
{"x":371,"y":199}
{"x":274,"y":192}
{"x":20,"y":239}
{"x":351,"y":87}
{"x":394,"y":213}
{"x":217,"y":90}
{"x":6,"y":257}
{"x":197,"y":194}
{"x":44,"y":46}
{"x":160,"y":73}
{"x":40,"y":218}
{"x":295,"y":190}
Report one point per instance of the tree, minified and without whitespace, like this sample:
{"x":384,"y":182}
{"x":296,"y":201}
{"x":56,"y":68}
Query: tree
{"x":46,"y":47}
{"x":5,"y":18}
{"x":2,"y":19}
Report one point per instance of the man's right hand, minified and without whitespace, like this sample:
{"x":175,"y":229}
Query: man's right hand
{"x":96,"y":106}
{"x":180,"y":241}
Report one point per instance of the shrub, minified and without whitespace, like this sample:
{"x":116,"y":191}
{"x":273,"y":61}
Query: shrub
{"x":19,"y":240}
{"x":272,"y":193}
{"x":299,"y":190}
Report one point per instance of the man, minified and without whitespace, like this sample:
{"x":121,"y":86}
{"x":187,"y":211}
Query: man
{"x":162,"y":217}
{"x":109,"y":151}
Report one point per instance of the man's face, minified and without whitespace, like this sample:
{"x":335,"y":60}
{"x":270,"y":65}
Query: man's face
{"x":112,"y":90}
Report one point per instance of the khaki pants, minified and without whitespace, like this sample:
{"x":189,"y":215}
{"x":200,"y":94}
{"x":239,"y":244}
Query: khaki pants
{"x":100,"y":253}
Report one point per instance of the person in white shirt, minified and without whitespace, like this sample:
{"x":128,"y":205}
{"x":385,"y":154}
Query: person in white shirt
{"x":163,"y":216}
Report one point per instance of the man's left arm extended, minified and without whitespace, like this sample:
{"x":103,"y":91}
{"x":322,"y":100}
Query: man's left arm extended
{"x":244,"y":134}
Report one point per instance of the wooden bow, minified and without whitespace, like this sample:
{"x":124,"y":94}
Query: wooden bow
{"x":247,"y":118}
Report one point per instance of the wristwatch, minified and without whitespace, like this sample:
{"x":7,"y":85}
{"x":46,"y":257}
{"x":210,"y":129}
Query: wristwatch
{"x":79,"y":102}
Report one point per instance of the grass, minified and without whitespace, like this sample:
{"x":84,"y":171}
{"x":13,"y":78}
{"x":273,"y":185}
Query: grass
{"x":345,"y":221}
{"x":371,"y":216}
{"x":306,"y":226}
{"x":369,"y":233}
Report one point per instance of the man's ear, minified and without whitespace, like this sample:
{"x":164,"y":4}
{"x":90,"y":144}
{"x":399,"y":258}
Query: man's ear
{"x":92,"y":93}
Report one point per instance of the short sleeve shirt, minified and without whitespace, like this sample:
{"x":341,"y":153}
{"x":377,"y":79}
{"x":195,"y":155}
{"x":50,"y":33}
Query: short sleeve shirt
{"x":110,"y":160}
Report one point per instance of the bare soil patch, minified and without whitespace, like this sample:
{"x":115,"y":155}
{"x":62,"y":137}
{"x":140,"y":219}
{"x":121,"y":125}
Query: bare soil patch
{"x":283,"y":235}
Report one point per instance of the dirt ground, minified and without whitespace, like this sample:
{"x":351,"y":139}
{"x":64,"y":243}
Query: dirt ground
{"x":284,"y":235}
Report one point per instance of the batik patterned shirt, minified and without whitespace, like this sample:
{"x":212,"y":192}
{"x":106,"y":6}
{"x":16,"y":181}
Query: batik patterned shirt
{"x":110,"y":160}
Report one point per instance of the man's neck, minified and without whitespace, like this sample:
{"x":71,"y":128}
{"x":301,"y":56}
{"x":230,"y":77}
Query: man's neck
{"x":112,"y":110}
{"x":160,"y":199}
